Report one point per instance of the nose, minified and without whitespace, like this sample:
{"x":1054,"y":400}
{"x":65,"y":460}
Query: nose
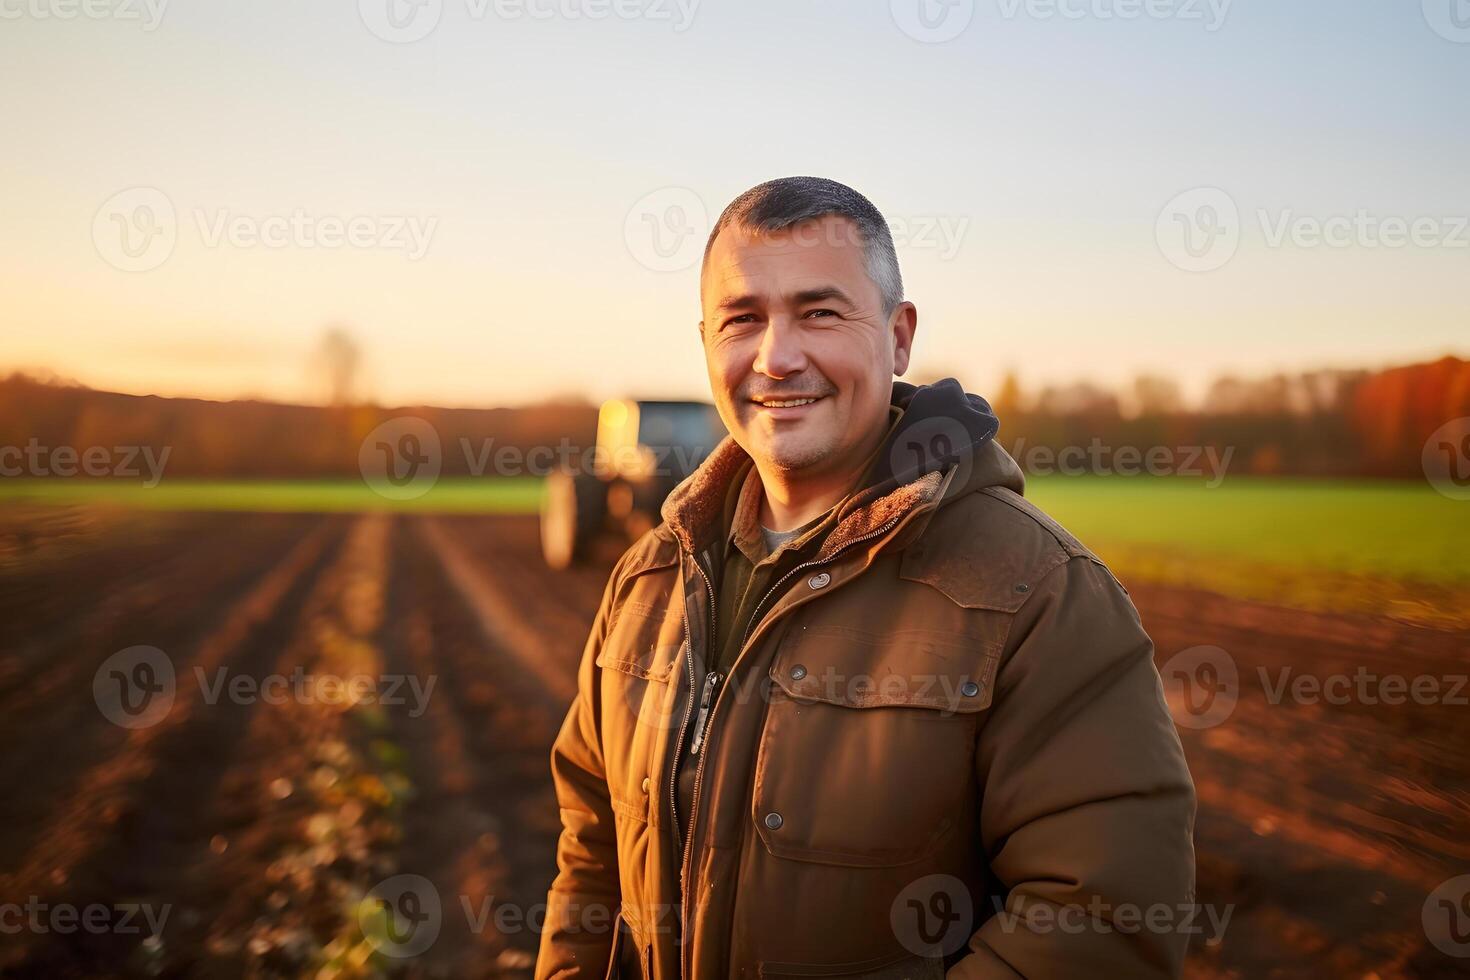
{"x":780,"y":354}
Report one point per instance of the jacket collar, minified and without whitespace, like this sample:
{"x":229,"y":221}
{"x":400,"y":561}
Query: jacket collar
{"x":693,"y":510}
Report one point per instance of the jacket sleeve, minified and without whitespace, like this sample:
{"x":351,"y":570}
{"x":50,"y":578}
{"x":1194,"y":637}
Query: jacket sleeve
{"x":1087,"y":813}
{"x":581,"y":905}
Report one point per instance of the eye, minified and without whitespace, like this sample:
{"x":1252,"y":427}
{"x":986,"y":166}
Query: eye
{"x":742,"y":319}
{"x":817,"y":313}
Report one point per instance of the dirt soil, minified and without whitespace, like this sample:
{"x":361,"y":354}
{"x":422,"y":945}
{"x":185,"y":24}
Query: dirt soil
{"x":264,"y":828}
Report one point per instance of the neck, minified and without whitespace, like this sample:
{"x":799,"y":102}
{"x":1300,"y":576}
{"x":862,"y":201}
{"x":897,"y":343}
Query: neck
{"x":791,"y":498}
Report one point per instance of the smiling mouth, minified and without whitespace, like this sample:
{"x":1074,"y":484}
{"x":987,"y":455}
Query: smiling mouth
{"x":786,"y":402}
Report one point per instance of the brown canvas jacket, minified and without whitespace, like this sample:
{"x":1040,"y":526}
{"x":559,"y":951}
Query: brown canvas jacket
{"x":943,"y":748}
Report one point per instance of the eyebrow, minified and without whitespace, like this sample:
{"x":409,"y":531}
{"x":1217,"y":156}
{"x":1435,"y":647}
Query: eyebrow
{"x":804,"y":296}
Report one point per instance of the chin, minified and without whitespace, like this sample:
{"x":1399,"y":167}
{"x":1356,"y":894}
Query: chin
{"x":791,"y":453}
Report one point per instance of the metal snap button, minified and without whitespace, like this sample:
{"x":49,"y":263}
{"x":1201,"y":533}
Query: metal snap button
{"x":969,"y":689}
{"x":773,"y":820}
{"x":645,"y":784}
{"x":798,"y":672}
{"x":819,"y":580}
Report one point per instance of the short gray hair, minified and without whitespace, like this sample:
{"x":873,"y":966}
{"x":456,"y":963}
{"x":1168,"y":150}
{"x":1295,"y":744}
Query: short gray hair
{"x":786,"y":201}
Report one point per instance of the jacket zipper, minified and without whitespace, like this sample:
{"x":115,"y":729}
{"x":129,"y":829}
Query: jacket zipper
{"x":688,"y":710}
{"x":706,"y":716}
{"x":706,"y":696}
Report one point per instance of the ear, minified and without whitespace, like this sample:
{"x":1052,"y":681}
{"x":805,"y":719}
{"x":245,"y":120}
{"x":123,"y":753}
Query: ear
{"x":905,"y":322}
{"x":701,"y":330}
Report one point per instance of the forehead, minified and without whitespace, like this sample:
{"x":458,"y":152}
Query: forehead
{"x":826,"y":249}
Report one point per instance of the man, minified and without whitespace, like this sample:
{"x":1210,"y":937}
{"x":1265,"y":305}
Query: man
{"x":856,"y":708}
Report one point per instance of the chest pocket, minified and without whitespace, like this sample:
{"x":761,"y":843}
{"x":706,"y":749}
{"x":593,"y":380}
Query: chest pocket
{"x":867,"y":753}
{"x":643,"y":648}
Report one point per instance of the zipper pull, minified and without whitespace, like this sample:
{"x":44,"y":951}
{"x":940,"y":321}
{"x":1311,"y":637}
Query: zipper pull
{"x":706,"y":698}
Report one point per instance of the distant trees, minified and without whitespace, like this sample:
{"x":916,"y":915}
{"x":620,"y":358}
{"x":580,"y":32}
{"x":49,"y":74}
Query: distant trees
{"x":1328,"y":422}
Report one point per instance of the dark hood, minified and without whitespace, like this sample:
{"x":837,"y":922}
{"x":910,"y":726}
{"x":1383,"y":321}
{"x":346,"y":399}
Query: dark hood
{"x":942,"y":427}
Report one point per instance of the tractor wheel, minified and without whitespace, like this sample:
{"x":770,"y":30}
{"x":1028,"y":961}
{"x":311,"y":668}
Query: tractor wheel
{"x":572,"y":510}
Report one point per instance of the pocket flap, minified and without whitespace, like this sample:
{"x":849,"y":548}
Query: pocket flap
{"x":906,"y":667}
{"x":645,"y":640}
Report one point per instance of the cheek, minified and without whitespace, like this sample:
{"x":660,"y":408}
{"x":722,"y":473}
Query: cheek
{"x":849,"y":359}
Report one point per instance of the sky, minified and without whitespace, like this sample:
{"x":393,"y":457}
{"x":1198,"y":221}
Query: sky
{"x":506,"y":200}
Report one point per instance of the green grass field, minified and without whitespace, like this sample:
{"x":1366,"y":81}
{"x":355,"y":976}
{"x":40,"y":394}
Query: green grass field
{"x":1396,"y":548}
{"x":502,"y":495}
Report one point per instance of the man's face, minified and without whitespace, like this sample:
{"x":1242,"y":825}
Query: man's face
{"x":793,"y":316}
